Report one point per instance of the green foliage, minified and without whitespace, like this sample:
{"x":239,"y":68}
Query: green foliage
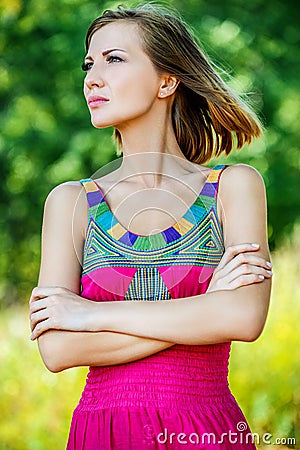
{"x":46,"y":135}
{"x":265,"y":374}
{"x":46,"y":139}
{"x":36,"y":405}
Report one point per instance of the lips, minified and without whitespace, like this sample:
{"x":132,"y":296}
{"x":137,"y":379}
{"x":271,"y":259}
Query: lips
{"x":96,"y":100}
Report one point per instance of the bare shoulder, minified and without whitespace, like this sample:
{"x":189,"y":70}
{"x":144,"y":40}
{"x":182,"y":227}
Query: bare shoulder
{"x":67,"y":201}
{"x":241,"y":192}
{"x":240,"y":175}
{"x":65,"y":191}
{"x":68,"y":193}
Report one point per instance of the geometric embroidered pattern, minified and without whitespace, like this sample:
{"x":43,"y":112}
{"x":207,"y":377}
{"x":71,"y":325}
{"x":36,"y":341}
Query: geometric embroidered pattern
{"x":147,"y":284}
{"x":202,"y":246}
{"x":195,"y":241}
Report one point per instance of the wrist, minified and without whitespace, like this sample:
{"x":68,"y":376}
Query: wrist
{"x":95,"y":317}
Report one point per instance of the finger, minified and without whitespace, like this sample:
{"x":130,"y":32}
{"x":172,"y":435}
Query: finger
{"x":41,"y":328}
{"x":244,"y":280}
{"x":244,"y":259}
{"x":247,"y":269}
{"x":41,"y":292}
{"x":39,"y":304}
{"x":234,"y":250}
{"x":34,"y":298}
{"x":37,"y":317}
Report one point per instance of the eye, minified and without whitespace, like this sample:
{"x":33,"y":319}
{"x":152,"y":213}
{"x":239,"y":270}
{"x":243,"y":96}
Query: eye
{"x":112,"y":59}
{"x":86,"y":66}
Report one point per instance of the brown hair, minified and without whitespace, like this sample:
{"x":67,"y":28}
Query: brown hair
{"x":206,"y":113}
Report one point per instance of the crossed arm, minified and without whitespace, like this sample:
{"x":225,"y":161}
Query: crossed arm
{"x":73,"y":331}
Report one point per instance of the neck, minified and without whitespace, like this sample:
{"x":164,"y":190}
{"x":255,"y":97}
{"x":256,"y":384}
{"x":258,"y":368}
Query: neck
{"x":151,"y":152}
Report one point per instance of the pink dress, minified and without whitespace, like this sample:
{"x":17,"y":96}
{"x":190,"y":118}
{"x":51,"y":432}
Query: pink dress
{"x":179,"y":397}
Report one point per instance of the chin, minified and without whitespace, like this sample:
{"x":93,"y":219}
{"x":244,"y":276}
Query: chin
{"x":100,"y":123}
{"x":99,"y":127}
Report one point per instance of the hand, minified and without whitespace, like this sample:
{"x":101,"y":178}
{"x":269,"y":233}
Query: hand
{"x":238,"y":268}
{"x":61,"y":309}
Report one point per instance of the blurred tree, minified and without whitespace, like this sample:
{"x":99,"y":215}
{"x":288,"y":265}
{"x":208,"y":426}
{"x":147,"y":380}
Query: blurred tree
{"x":46,"y":136}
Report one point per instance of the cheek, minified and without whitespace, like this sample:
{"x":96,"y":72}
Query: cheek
{"x":85,"y":90}
{"x":137,"y":90}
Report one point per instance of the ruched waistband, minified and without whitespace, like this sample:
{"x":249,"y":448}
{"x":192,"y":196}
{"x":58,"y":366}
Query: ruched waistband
{"x":179,"y":376}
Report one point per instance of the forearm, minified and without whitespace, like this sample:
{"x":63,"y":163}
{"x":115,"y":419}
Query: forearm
{"x":61,"y":350}
{"x":211,"y":318}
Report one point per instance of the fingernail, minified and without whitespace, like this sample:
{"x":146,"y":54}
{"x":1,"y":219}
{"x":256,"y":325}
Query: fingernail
{"x":269,"y":272}
{"x":269,"y":264}
{"x":261,"y":277}
{"x":255,"y":245}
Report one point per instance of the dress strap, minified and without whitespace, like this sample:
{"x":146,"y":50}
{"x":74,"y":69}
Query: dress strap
{"x":93,"y":193}
{"x":210,"y":188}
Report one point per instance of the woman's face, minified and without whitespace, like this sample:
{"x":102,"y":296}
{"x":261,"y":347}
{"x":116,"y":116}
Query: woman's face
{"x":121,"y":83}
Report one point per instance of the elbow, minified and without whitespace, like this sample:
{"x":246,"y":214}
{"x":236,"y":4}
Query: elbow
{"x":251,"y":318}
{"x":52,"y":364}
{"x":251,"y":329}
{"x":252,"y":334}
{"x":51,"y":352}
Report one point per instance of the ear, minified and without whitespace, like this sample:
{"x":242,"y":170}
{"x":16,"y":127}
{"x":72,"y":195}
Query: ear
{"x":168,"y":86}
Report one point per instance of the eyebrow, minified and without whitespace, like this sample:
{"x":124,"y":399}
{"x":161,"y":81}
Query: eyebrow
{"x":106,"y":52}
{"x":112,"y":50}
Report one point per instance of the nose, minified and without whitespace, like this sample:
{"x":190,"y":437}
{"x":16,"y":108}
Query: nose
{"x":93,"y":78}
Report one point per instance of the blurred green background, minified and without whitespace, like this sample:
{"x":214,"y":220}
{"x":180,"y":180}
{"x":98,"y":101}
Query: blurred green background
{"x":46,"y":138}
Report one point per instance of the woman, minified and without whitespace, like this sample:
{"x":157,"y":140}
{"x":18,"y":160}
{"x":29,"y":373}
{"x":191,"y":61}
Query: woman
{"x":160,"y":227}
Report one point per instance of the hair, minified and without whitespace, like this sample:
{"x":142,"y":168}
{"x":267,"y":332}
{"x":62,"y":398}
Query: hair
{"x":207,"y":116}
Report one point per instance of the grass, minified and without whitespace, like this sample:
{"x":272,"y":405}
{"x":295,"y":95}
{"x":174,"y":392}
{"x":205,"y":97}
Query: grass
{"x":36,"y":405}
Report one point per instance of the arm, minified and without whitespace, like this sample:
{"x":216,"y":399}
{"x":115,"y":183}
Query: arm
{"x":213,"y":317}
{"x":63,"y":234}
{"x":62,"y":349}
{"x":220,"y":316}
{"x":217,"y":316}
